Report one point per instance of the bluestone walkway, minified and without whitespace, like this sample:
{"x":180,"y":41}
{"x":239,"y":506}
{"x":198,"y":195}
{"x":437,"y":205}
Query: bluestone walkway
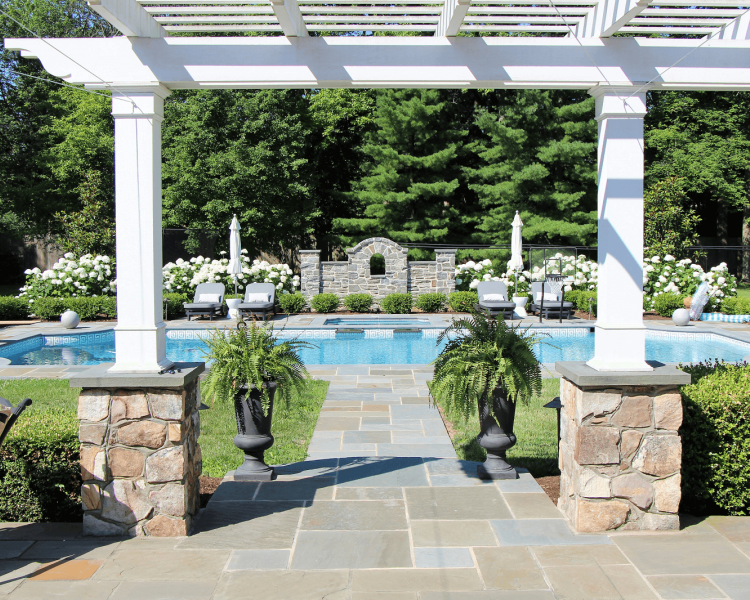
{"x":381,"y":510}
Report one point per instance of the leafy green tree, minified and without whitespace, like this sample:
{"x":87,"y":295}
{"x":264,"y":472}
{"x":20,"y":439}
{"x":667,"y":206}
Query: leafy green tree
{"x":703,"y":138}
{"x":539,"y":159}
{"x":30,"y":194}
{"x":413,"y":171}
{"x":670,"y":224}
{"x":339,"y":120}
{"x":90,"y":230}
{"x":240,"y":152}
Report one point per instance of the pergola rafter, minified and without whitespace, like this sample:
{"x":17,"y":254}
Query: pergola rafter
{"x":443,"y":18}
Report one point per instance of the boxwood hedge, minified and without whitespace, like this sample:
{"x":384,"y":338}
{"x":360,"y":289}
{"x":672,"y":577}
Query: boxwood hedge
{"x":716,"y":440}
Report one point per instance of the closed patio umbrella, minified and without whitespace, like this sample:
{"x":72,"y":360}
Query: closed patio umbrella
{"x":235,"y":250}
{"x":516,"y":259}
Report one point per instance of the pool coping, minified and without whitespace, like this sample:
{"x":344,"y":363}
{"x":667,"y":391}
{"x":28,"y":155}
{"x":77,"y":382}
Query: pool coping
{"x":308,"y":321}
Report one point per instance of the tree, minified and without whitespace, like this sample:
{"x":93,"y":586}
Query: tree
{"x":670,"y":224}
{"x":703,"y":138}
{"x":339,"y":120}
{"x":239,"y":152}
{"x":90,"y":230}
{"x":29,"y":191}
{"x":540,"y":159}
{"x":413,"y":171}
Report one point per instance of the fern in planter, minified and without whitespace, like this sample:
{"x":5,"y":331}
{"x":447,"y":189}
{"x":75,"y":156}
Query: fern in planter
{"x":252,"y":356}
{"x":489,"y":365}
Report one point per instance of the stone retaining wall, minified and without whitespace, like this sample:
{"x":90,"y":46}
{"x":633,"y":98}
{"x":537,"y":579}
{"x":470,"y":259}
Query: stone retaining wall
{"x":140,"y":460}
{"x":353,"y":276}
{"x":620,"y":457}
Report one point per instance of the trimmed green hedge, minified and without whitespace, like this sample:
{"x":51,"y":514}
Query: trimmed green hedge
{"x":736,"y":306}
{"x":360,"y":303}
{"x":716,"y":439}
{"x":396,"y":304}
{"x":174,"y":304}
{"x":12,"y":308}
{"x":40,"y":477}
{"x":325,"y":303}
{"x":432,"y":303}
{"x":86,"y":307}
{"x":292,"y":303}
{"x":666,"y":304}
{"x":463,"y":301}
{"x":581,"y":300}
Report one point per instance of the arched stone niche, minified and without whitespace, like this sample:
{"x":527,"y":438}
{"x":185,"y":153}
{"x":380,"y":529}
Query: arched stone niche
{"x":361,"y":280}
{"x":354,"y":276}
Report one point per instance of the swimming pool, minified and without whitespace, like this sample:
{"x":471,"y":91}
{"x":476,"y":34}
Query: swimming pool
{"x":378,"y":322}
{"x":371,"y":346}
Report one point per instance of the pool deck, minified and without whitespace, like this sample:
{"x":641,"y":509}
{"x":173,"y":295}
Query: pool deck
{"x":16,"y":332}
{"x":381,"y":510}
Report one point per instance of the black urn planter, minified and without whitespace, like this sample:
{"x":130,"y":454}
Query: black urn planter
{"x":496,"y":436}
{"x":253,"y":433}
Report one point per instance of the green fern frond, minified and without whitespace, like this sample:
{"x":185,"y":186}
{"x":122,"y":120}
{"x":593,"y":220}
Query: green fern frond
{"x":253,"y":356}
{"x":482,"y":354}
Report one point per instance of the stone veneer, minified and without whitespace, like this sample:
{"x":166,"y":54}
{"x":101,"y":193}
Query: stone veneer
{"x":140,"y":460}
{"x":351,"y":277}
{"x":620,"y":456}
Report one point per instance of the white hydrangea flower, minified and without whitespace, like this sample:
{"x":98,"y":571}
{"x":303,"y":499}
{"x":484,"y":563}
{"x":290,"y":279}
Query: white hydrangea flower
{"x":473,"y":285}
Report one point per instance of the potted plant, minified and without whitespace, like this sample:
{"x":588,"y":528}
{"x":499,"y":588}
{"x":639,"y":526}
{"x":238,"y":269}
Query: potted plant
{"x":491,"y":366}
{"x":250,"y":367}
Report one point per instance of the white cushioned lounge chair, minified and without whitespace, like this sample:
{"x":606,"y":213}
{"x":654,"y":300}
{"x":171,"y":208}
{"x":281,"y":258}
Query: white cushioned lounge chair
{"x":260,"y":298}
{"x":208,"y":300}
{"x":494,"y":300}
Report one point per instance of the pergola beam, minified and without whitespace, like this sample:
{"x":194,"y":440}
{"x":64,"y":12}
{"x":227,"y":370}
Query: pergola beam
{"x":609,"y":16}
{"x":355,"y":61}
{"x":290,"y":17}
{"x":128,"y":17}
{"x":452,"y":17}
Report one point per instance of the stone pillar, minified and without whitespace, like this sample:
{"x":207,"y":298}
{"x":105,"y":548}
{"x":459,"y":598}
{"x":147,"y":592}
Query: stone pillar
{"x":140,"y":457}
{"x":446,"y":271}
{"x":620,"y":342}
{"x":620,"y":453}
{"x":309,"y":272}
{"x":140,"y":334}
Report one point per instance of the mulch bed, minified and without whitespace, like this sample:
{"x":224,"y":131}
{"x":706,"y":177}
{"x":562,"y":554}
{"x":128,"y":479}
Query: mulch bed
{"x":551,"y":485}
{"x":208,"y":487}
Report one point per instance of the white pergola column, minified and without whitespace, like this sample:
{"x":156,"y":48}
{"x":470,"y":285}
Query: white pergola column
{"x":620,"y":333}
{"x":140,"y":334}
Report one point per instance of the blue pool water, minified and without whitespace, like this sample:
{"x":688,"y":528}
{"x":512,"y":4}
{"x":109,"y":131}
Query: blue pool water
{"x":378,"y":322}
{"x":375,"y":346}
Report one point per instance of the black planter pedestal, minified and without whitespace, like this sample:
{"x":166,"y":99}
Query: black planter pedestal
{"x":496,"y":437}
{"x":253,"y":434}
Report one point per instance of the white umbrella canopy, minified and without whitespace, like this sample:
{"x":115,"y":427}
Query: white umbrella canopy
{"x":235,"y":251}
{"x":516,"y":259}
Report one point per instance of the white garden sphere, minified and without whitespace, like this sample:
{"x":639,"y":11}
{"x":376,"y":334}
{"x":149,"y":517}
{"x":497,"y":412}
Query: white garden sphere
{"x":681,"y":317}
{"x":70,"y":319}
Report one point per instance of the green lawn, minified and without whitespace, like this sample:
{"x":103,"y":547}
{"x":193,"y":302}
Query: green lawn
{"x":536,"y":430}
{"x":743,"y":290}
{"x":292,"y":428}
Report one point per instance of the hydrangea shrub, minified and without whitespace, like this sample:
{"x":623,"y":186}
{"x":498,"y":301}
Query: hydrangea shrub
{"x":185,"y":275}
{"x":71,"y":277}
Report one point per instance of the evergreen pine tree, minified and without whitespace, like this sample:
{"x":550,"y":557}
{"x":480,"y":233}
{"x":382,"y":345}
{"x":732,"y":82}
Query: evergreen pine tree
{"x":539,"y":159}
{"x":412,"y":177}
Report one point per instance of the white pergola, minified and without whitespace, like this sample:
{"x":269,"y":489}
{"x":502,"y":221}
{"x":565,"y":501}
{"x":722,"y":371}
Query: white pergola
{"x":569,"y":44}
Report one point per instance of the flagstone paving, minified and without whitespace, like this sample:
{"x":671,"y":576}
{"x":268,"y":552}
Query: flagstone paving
{"x":381,"y":510}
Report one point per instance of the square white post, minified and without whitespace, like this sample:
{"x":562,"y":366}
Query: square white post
{"x":140,"y":334}
{"x":620,"y":343}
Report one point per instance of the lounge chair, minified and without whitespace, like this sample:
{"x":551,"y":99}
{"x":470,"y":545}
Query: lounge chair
{"x":208,"y":300}
{"x":493,"y":299}
{"x":260,"y":298}
{"x":9,"y":414}
{"x":550,"y":303}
